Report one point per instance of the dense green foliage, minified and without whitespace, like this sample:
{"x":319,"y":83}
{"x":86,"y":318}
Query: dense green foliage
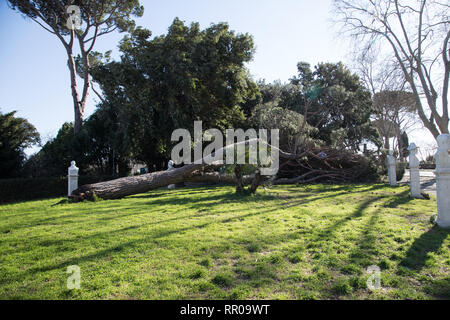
{"x":331,"y":100}
{"x":322,"y":112}
{"x":335,"y":102}
{"x":289,"y":242}
{"x":167,"y":82}
{"x":16,"y":134}
{"x":403,"y":144}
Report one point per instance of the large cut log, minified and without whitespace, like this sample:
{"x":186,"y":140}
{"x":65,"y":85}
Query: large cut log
{"x":119,"y":188}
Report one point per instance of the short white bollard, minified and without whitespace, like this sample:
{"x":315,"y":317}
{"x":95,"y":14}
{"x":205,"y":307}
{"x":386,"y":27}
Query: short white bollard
{"x":414,"y":173}
{"x":443,"y":180}
{"x":170,"y":167}
{"x":392,"y":169}
{"x":72,"y":178}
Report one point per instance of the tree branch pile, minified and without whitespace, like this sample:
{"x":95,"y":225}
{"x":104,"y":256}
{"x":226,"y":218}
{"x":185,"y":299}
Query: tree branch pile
{"x":327,"y":165}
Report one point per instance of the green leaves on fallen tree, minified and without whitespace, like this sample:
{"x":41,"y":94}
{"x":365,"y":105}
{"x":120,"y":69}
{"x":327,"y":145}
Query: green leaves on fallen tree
{"x":16,"y":134}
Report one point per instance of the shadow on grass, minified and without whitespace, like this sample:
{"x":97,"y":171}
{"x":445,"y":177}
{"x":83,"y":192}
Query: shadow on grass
{"x":440,"y":289}
{"x":364,"y":250}
{"x":430,"y":241}
{"x":401,"y":198}
{"x":165,"y":232}
{"x":61,"y":202}
{"x":329,"y":231}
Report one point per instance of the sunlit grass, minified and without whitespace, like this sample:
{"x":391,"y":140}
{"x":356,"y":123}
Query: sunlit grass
{"x":286,"y":242}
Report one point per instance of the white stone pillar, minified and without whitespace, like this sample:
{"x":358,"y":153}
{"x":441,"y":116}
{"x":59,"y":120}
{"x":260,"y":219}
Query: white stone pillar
{"x":443,"y":180}
{"x":414,"y":173}
{"x":72,"y":178}
{"x":392,"y":170}
{"x":170,"y":167}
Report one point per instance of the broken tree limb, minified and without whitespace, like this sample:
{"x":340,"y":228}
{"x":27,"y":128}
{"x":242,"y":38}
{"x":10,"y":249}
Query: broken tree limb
{"x":119,"y":188}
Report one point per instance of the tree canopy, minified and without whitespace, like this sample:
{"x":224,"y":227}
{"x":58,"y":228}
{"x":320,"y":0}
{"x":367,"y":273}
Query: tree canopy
{"x":335,"y":102}
{"x":393,"y":113}
{"x":170,"y":81}
{"x":16,"y":134}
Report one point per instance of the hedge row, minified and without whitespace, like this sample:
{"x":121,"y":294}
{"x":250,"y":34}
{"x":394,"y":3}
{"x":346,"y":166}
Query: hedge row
{"x":23,"y":189}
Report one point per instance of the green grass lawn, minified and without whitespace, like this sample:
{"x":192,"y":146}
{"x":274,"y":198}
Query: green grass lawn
{"x":287,"y":242}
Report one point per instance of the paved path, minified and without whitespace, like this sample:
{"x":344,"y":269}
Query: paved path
{"x":427,"y":181}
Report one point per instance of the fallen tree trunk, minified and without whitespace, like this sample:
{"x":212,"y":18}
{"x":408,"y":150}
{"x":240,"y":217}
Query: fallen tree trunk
{"x":122,"y":187}
{"x":119,"y":188}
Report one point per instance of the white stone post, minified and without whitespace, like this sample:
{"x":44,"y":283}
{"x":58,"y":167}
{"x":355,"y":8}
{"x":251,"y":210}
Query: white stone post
{"x":170,"y":167}
{"x":392,"y":170}
{"x":72,"y":178}
{"x":443,"y":180}
{"x":414,"y":173}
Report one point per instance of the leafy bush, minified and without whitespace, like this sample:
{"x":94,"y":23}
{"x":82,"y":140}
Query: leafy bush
{"x":401,"y":168}
{"x":16,"y":134}
{"x":91,"y":148}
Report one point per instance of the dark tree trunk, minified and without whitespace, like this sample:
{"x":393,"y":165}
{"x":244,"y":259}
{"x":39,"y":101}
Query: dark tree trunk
{"x":239,"y":182}
{"x":77,"y":105}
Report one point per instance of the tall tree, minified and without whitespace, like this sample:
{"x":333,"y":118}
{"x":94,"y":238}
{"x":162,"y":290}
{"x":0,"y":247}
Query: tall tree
{"x":333,"y":100}
{"x":394,"y":107}
{"x":16,"y":134}
{"x":393,"y":113}
{"x":294,"y":131}
{"x":418,"y":34}
{"x":170,"y":81}
{"x":81,"y":22}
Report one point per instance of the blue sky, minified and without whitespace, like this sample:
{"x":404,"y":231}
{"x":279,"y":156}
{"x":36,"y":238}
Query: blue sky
{"x":34,"y":79}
